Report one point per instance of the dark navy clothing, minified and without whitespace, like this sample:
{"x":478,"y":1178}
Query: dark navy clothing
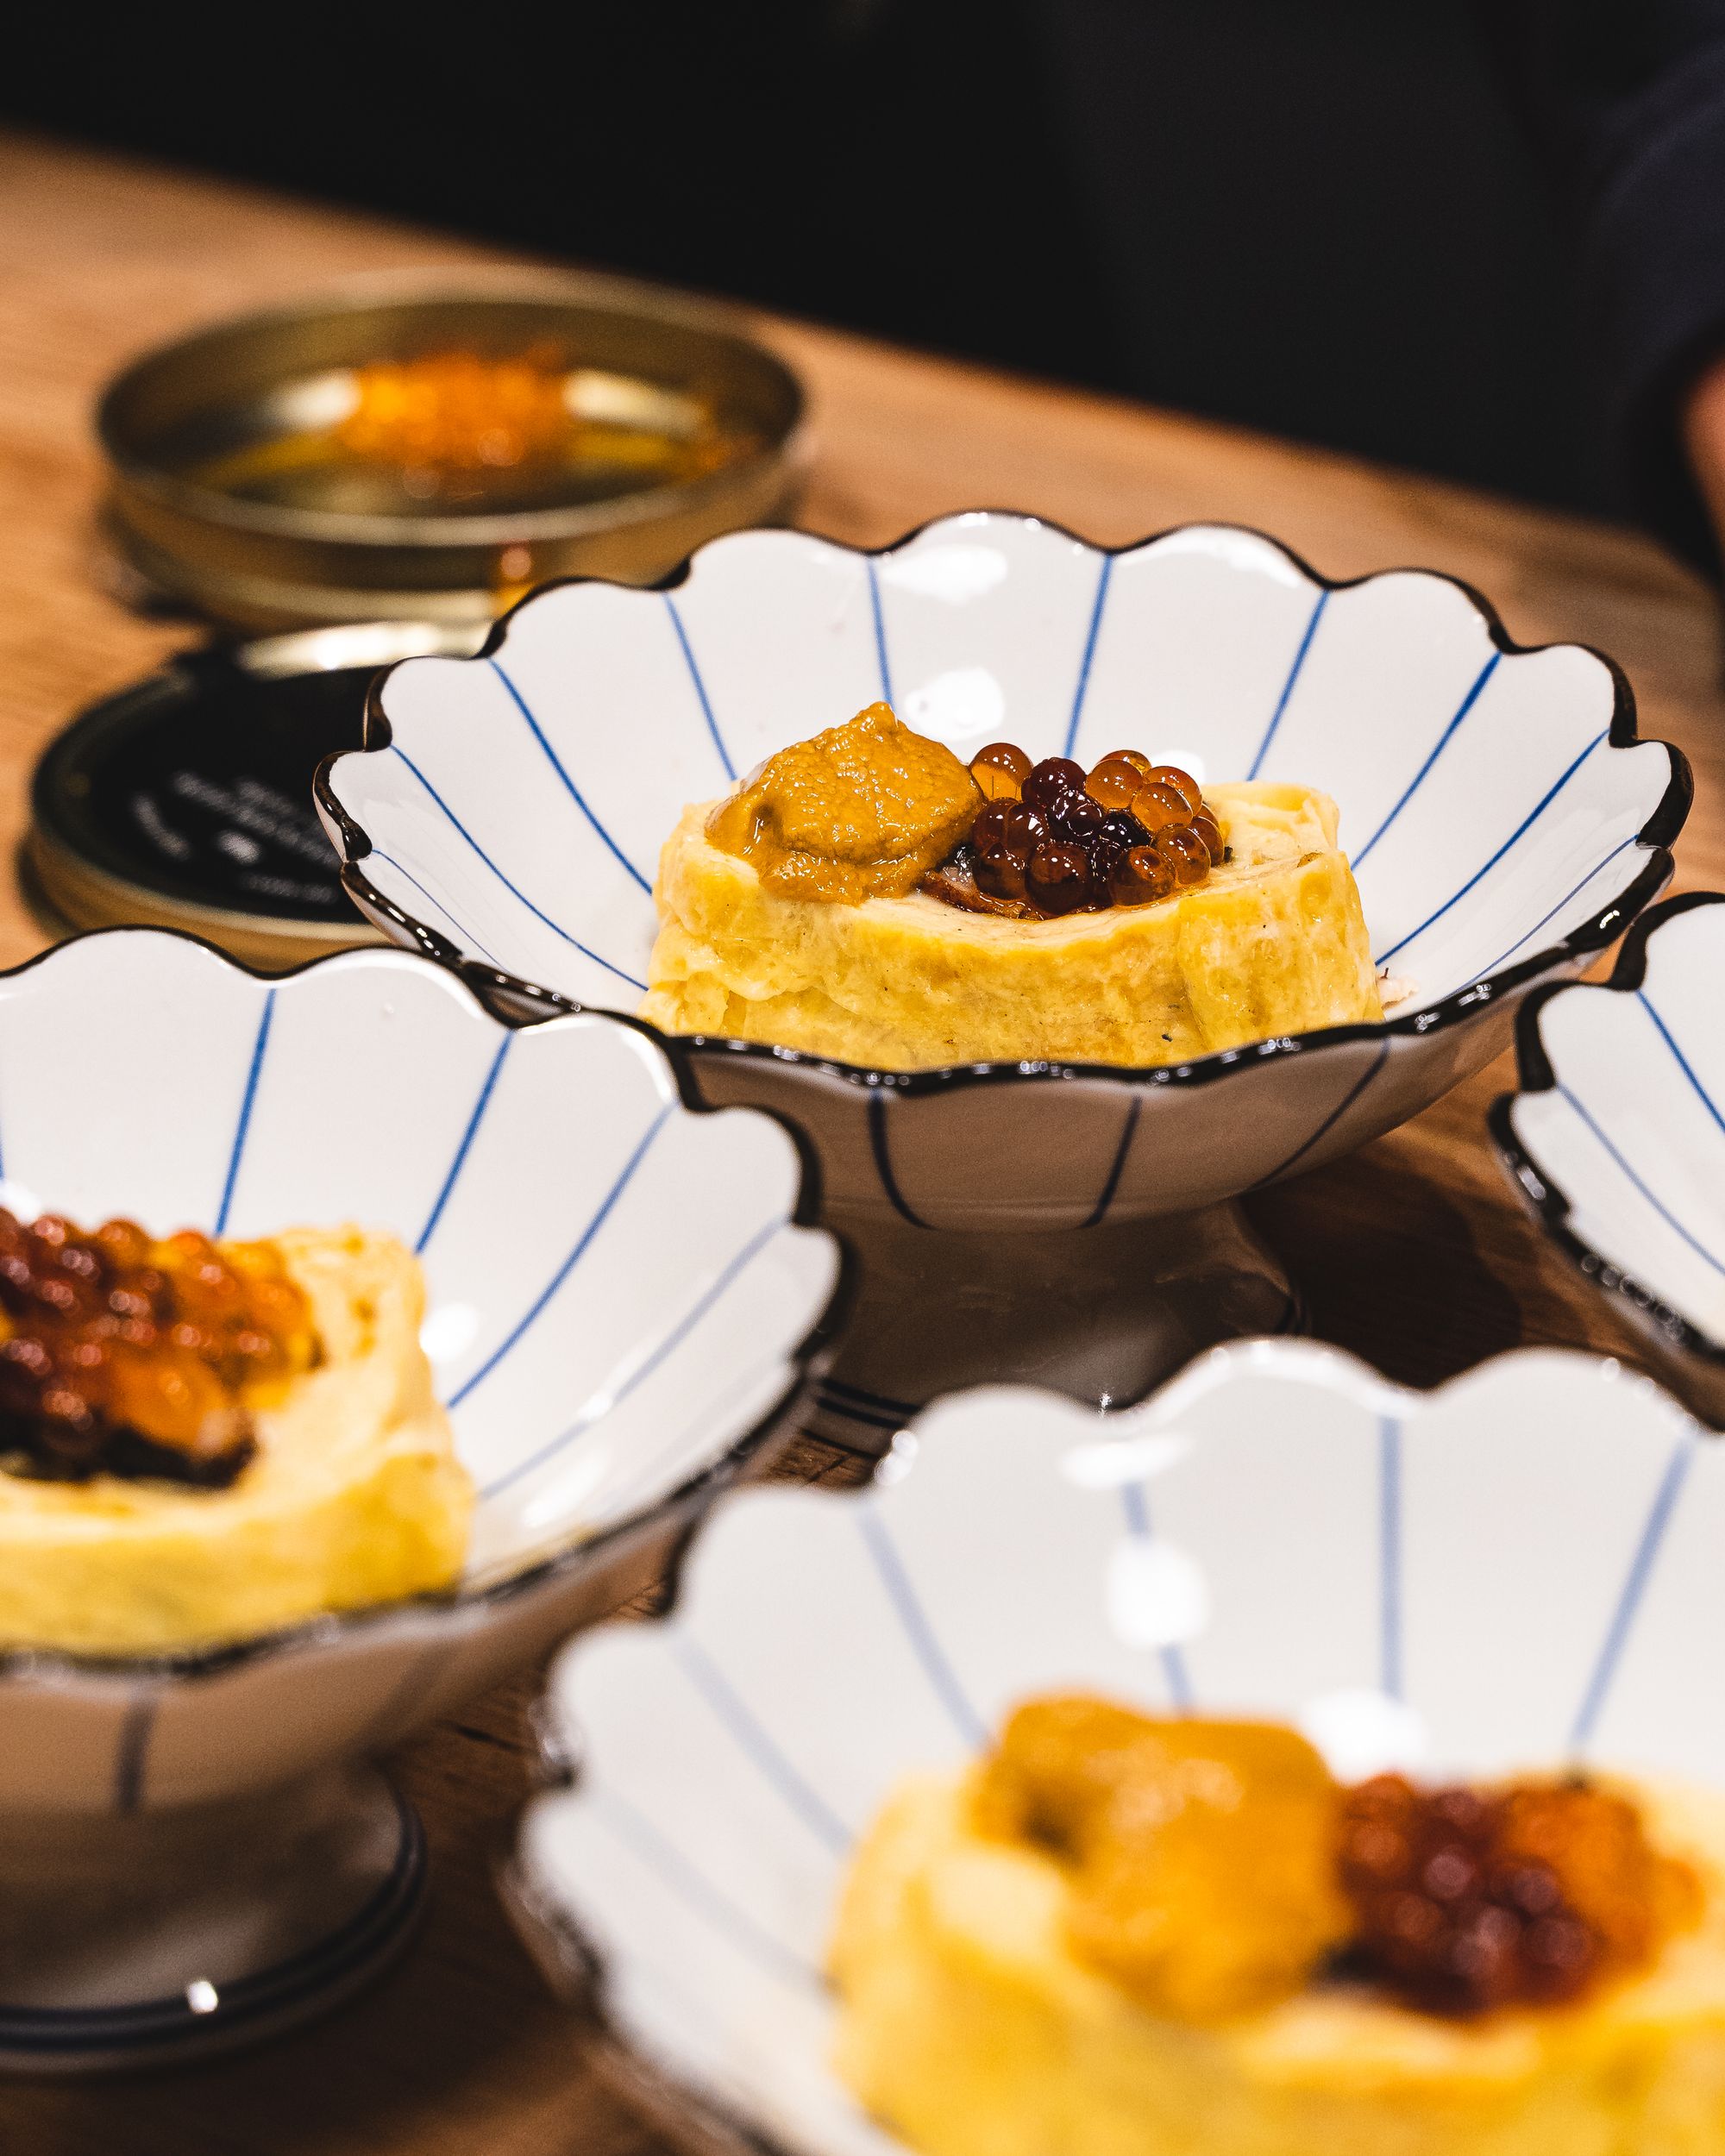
{"x":1625,"y":99}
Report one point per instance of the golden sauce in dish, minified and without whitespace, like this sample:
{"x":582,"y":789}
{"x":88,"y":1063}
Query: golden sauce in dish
{"x":475,"y":433}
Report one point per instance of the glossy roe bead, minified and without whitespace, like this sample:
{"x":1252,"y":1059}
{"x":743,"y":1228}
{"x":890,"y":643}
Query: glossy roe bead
{"x":1010,"y":824}
{"x":1119,"y":833}
{"x":1080,"y":818}
{"x":1051,"y":782}
{"x":999,"y":870}
{"x":1157,"y":806}
{"x":1182,"y":782}
{"x":1058,"y":879}
{"x":1001,"y":770}
{"x":1185,"y":853}
{"x":1138,"y":876}
{"x":1116,"y":779}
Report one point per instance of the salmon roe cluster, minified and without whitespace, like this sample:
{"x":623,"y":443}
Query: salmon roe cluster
{"x":120,"y":1355}
{"x":1467,"y":1900}
{"x":455,"y":412}
{"x":1052,"y":839}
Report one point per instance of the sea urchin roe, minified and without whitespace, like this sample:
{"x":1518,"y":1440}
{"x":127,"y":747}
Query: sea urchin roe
{"x":863,"y":811}
{"x":1201,"y":1854}
{"x":1467,"y":1900}
{"x":121,"y":1355}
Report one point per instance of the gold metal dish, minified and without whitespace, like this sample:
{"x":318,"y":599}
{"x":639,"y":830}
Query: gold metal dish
{"x":246,"y":488}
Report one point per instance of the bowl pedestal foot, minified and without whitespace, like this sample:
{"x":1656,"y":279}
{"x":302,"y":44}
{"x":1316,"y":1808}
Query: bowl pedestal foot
{"x":1104,"y":1313}
{"x":147,"y":1938}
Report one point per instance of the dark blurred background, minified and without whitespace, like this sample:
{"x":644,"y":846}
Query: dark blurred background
{"x":1310,"y":216}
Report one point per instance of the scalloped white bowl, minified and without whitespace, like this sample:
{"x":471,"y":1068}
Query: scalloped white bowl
{"x":619,"y":1297}
{"x":621,"y":1305}
{"x":1521,"y":1570}
{"x":1503,"y":821}
{"x":1617,"y":1137}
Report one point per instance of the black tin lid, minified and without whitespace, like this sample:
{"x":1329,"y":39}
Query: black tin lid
{"x":185,"y":800}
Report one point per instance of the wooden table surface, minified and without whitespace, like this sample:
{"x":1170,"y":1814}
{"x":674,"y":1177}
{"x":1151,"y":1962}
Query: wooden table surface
{"x":1412,"y":1253}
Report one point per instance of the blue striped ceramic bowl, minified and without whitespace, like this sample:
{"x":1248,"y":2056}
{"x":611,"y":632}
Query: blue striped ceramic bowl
{"x":1519,"y":1570}
{"x":1617,"y":1137}
{"x":620,"y":1302}
{"x":1503,"y":820}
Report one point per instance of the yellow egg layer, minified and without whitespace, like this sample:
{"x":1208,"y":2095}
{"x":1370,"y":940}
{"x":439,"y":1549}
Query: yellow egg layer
{"x":354,"y":1495}
{"x":1271,"y":942}
{"x":968,"y":2028}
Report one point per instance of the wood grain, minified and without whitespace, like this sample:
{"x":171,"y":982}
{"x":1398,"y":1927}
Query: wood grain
{"x":1412,"y":1253}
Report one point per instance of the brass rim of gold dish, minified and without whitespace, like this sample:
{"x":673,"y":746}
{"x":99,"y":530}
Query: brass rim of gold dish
{"x":276,"y":564}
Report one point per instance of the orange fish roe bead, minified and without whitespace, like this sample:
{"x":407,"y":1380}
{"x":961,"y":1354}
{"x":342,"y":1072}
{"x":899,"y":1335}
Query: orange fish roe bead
{"x":1185,"y":853}
{"x":1001,"y":770}
{"x":1117,"y":778}
{"x":1055,"y":785}
{"x":1158,"y":807}
{"x":1057,"y":877}
{"x":1183,"y":783}
{"x":1005,"y":835}
{"x":1140,"y":876}
{"x":121,"y":1355}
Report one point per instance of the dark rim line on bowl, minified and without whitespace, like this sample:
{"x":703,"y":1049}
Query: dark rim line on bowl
{"x":509,"y":994}
{"x":597,"y":289}
{"x":1535,"y":1074}
{"x":367,"y":1941}
{"x":56,"y":1665}
{"x":569,"y":1957}
{"x":574,"y":1969}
